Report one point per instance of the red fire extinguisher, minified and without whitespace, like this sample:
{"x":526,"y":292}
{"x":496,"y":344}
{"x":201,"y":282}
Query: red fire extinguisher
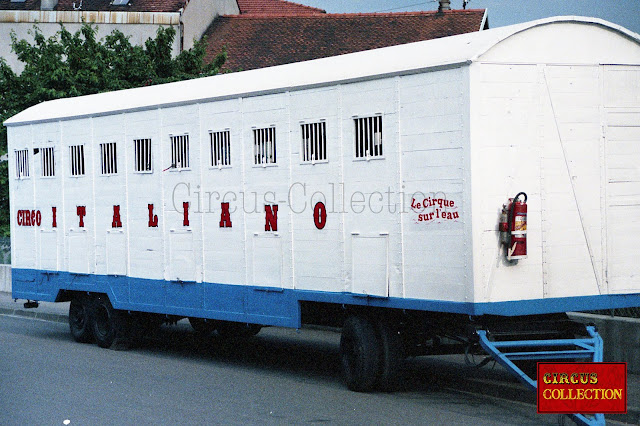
{"x":513,"y":227}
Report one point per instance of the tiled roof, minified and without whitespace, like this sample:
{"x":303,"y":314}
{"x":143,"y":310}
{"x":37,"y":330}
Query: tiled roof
{"x":275,"y":7}
{"x":100,"y":5}
{"x":257,"y":41}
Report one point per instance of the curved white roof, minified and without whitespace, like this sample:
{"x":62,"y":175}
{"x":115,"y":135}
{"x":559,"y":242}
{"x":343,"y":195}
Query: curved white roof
{"x":402,"y":59}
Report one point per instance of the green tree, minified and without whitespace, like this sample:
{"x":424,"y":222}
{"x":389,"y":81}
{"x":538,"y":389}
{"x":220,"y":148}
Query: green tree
{"x":74,"y":64}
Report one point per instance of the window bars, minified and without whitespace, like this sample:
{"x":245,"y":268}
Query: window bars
{"x":77,"y":160}
{"x":48,"y":162}
{"x":22,"y":163}
{"x":314,"y":141}
{"x":109,"y":159}
{"x":142,"y":155}
{"x":264,"y":146}
{"x":220,"y":148}
{"x":368,"y":132}
{"x":180,"y":151}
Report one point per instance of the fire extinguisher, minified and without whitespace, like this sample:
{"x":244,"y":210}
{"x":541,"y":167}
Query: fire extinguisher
{"x":513,"y":227}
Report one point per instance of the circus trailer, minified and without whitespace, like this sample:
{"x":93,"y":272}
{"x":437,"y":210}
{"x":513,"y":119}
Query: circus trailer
{"x":433,"y":197}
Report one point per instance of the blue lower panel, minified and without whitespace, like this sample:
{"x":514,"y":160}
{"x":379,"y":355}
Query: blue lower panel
{"x":266,"y":305}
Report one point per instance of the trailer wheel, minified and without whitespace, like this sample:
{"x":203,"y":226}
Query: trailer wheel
{"x":360,"y":354}
{"x":81,"y":320}
{"x":202,"y":326}
{"x":108,"y":322}
{"x":392,"y":354}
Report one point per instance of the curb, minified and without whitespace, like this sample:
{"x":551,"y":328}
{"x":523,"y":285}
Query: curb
{"x":42,"y":316}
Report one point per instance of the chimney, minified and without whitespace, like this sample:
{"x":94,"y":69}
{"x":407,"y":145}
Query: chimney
{"x":444,"y":5}
{"x":48,"y":4}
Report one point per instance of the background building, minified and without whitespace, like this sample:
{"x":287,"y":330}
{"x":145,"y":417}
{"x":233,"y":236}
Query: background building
{"x":138,"y":19}
{"x":255,"y":33}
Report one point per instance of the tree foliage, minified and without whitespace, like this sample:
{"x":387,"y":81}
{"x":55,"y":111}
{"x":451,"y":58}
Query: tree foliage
{"x":73,"y":64}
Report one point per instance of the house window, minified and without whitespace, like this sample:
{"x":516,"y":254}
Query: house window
{"x":368,"y":131}
{"x":22,"y":163}
{"x":314,"y":142}
{"x":48,"y":162}
{"x":180,"y":151}
{"x":77,"y":160}
{"x":108,"y":158}
{"x":264,"y":146}
{"x":220,"y":148}
{"x":142,"y":155}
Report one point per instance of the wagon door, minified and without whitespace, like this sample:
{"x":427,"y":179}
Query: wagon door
{"x":622,"y":153}
{"x":370,"y":265}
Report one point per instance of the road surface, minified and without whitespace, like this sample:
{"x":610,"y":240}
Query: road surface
{"x":280,"y":376}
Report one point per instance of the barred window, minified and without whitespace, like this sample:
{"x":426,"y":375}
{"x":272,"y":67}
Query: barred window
{"x":314,"y":142}
{"x":22,"y":163}
{"x":264,"y":146}
{"x":220,"y":148}
{"x":48,"y":162}
{"x":108,"y":158}
{"x":180,"y":151}
{"x":77,"y":160}
{"x":142,"y":155}
{"x":368,"y":131}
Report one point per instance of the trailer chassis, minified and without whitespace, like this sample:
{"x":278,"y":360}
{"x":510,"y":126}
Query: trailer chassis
{"x":375,"y":341}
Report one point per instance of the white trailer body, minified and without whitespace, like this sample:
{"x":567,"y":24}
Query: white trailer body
{"x":411,"y":149}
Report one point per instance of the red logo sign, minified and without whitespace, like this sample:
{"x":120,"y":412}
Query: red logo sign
{"x":582,"y":387}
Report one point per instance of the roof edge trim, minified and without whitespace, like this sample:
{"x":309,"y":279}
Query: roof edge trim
{"x":12,"y":123}
{"x":485,"y":19}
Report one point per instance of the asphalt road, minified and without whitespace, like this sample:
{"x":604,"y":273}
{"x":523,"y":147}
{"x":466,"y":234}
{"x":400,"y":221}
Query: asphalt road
{"x":280,"y":376}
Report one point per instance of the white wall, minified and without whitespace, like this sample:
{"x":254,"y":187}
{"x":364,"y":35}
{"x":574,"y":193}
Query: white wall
{"x":362,"y":248}
{"x":143,"y":27}
{"x":199,"y":14}
{"x":544,"y":120}
{"x":434,"y":136}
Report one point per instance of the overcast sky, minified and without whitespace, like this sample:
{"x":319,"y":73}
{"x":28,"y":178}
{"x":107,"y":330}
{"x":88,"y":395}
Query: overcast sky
{"x":501,"y":12}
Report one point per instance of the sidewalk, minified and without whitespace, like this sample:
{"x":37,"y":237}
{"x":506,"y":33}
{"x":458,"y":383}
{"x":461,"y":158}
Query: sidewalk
{"x":56,"y":312}
{"x":494,"y":387}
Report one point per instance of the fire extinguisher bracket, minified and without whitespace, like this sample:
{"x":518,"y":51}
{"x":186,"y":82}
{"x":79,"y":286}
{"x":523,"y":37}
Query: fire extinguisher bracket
{"x":513,"y":227}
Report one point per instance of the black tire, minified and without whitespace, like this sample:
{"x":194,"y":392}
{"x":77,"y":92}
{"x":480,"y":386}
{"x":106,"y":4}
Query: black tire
{"x":109,"y":323}
{"x":360,"y":354}
{"x":202,"y":326}
{"x":81,"y":320}
{"x":392,"y":354}
{"x":236,"y":330}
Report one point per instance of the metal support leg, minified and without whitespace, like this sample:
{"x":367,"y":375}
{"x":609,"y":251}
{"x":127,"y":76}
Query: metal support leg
{"x":587,"y":348}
